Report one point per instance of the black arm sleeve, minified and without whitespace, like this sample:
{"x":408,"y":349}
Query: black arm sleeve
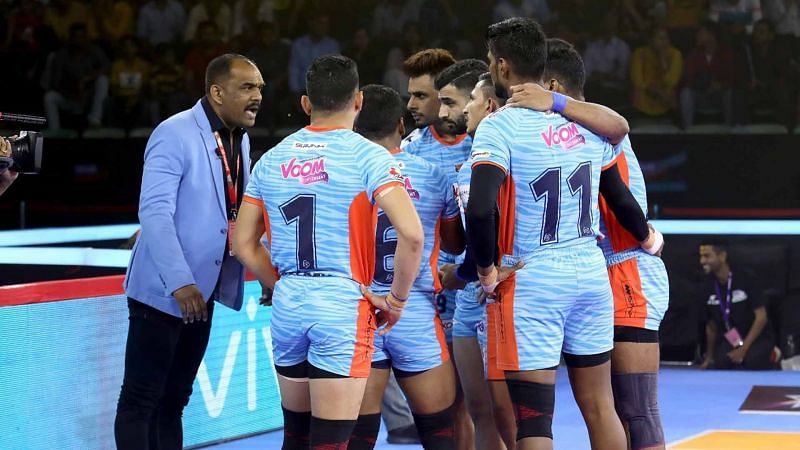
{"x":623,"y":204}
{"x":481,"y":233}
{"x":468,"y":270}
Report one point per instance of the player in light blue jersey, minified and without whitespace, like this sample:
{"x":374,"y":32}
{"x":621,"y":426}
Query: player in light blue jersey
{"x":415,"y":350}
{"x":441,"y":144}
{"x":469,"y":327}
{"x":638,"y":279}
{"x":315,"y":196}
{"x":542,"y":172}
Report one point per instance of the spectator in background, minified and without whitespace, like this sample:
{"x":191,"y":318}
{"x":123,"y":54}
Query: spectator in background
{"x":390,"y":17}
{"x":129,"y":81}
{"x":161,"y":21}
{"x":738,"y":15}
{"x":437,"y":20}
{"x":216,"y":11}
{"x":766,"y":85}
{"x":785,"y":14}
{"x":683,"y":18}
{"x":76,"y":79}
{"x":655,"y":74}
{"x":114,"y":19}
{"x":394,"y":75}
{"x":737,"y":331}
{"x":61,"y":14}
{"x":205,"y":47}
{"x":247,"y":14}
{"x":364,"y":51}
{"x":537,"y":9}
{"x":167,"y":85}
{"x":271,"y":55}
{"x":638,"y":17}
{"x":308,"y":47}
{"x":708,"y":77}
{"x":22,"y":24}
{"x":607,"y":62}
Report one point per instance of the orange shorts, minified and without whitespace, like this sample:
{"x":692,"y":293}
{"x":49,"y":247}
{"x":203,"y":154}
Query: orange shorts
{"x":641,"y":292}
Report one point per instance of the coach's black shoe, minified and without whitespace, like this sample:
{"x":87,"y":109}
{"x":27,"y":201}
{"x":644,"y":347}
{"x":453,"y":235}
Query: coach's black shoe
{"x":405,"y":435}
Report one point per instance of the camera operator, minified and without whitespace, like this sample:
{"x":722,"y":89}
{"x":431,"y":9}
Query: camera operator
{"x":6,"y":176}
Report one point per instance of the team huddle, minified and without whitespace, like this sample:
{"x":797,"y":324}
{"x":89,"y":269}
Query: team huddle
{"x":469,"y":257}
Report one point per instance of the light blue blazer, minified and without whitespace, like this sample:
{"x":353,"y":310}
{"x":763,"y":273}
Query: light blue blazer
{"x":183,"y":218}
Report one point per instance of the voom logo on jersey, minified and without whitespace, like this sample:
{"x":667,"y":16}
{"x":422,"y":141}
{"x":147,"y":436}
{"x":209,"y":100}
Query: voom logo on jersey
{"x":413,"y":193}
{"x":567,"y":136}
{"x":309,"y":171}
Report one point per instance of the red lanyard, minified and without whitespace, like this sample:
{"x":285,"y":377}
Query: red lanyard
{"x":232,"y":187}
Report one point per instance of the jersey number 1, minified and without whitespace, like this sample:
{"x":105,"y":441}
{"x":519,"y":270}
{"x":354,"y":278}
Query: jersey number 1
{"x":547,"y":187}
{"x":301,"y":210}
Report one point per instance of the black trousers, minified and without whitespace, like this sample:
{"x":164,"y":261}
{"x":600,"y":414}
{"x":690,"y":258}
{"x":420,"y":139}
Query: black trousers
{"x":162,"y":356}
{"x":757,"y":357}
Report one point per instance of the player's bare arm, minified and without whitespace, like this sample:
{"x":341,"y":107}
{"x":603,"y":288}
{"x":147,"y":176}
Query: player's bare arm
{"x":600,"y":119}
{"x":452,"y":236}
{"x":247,"y":245}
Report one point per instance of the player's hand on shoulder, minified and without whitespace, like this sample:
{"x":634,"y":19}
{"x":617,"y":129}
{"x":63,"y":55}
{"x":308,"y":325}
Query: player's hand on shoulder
{"x":530,"y":95}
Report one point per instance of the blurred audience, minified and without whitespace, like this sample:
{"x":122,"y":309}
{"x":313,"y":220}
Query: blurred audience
{"x":271,"y":55}
{"x":538,"y":9}
{"x":655,"y":75}
{"x":247,"y":14}
{"x":206,"y":46}
{"x":161,"y":21}
{"x":733,"y":73}
{"x":765,"y":89}
{"x":127,"y":106}
{"x":708,"y":78}
{"x":114,"y":19}
{"x":168,"y":93}
{"x":308,"y":47}
{"x":216,"y":11}
{"x":607,"y":60}
{"x":76,"y":80}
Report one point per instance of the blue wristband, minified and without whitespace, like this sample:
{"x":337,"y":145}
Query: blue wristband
{"x":559,"y":102}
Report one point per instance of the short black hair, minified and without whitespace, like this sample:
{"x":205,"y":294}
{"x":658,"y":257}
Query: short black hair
{"x":219,"y":68}
{"x":521,"y":42}
{"x":467,"y":81}
{"x":720,"y":245}
{"x":565,"y":64}
{"x":331,"y":82}
{"x":457,"y":69}
{"x":381,"y":110}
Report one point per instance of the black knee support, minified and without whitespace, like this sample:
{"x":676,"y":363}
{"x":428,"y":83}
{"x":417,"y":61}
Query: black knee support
{"x":636,"y":401}
{"x":365,"y":433}
{"x":295,"y":429}
{"x":533,"y":408}
{"x":330,"y":434}
{"x":436,"y":431}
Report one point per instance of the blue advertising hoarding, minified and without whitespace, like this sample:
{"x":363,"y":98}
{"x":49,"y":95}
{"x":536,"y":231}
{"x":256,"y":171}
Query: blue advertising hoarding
{"x":61,"y":367}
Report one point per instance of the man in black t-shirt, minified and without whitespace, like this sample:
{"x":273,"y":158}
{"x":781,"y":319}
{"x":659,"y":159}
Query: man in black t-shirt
{"x":737,"y":331}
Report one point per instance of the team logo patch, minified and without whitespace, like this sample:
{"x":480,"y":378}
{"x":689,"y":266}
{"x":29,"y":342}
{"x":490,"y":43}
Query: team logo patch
{"x":307,"y":172}
{"x":567,"y":136}
{"x":481,"y":154}
{"x":395,"y":173}
{"x":413,"y":193}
